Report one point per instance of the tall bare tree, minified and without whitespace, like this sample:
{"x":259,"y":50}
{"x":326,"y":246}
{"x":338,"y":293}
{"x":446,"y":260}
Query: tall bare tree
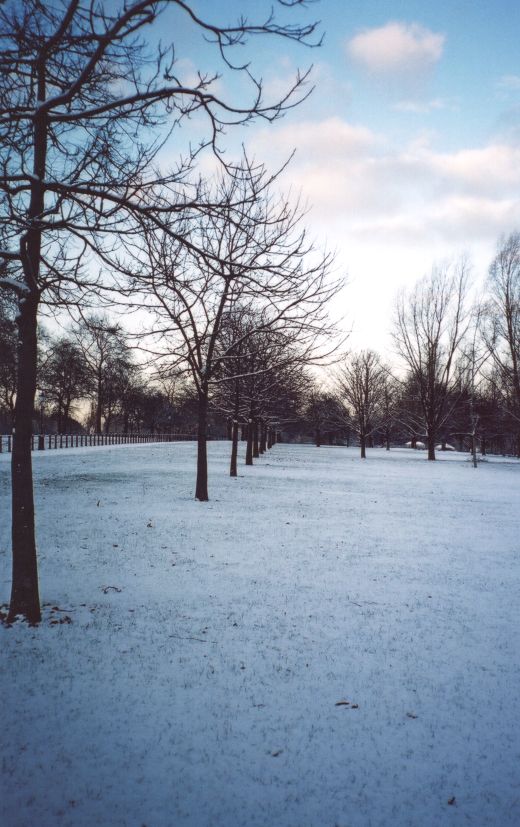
{"x":252,"y":252}
{"x":86,"y":105}
{"x":361,"y":384}
{"x":429,"y":325}
{"x":64,"y":379}
{"x":501,"y":324}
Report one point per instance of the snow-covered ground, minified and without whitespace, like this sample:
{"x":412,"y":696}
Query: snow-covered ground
{"x":326,"y":642}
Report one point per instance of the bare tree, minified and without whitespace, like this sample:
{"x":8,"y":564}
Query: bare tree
{"x":64,"y":379}
{"x":429,"y":325}
{"x":322,"y":412}
{"x":252,"y":252}
{"x":107,"y":364}
{"x":361,"y":384}
{"x":85,"y":107}
{"x":501,"y":324}
{"x":471,"y":378}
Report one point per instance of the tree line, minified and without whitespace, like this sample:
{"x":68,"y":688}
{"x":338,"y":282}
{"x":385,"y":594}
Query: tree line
{"x":459,"y":386}
{"x":101,"y":206}
{"x":456,"y":378}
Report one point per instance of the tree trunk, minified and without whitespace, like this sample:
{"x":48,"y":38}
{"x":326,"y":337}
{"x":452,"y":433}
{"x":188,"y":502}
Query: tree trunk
{"x":263,"y":438}
{"x":234,"y":431}
{"x":317,"y":438}
{"x":256,"y":452}
{"x":431,"y":446}
{"x":474,"y":450}
{"x":249,"y":449}
{"x":201,"y":488}
{"x":234,"y":450}
{"x":363,"y":444}
{"x":25,"y":598}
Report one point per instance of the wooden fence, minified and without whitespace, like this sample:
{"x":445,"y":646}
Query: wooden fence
{"x":42,"y":442}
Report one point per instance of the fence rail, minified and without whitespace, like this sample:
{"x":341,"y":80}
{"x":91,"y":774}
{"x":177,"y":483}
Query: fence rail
{"x":40,"y":442}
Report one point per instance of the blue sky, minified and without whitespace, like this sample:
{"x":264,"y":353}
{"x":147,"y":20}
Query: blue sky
{"x":408,"y":151}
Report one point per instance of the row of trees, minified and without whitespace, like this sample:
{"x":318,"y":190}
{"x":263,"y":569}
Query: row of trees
{"x":461,"y":382}
{"x":460,"y":366}
{"x":91,"y":212}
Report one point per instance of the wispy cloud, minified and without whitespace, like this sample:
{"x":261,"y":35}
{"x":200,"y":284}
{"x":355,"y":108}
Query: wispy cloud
{"x":358,"y":182}
{"x":509,"y":83}
{"x":418,"y":107}
{"x":396,"y":48}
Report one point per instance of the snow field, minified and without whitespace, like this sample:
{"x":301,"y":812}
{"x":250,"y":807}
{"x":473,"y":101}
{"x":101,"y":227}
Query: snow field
{"x":210,"y":643}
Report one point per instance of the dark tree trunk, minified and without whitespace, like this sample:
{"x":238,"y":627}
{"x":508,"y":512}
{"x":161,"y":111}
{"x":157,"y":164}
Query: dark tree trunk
{"x":431,"y":446}
{"x":318,"y":437}
{"x":201,"y":488}
{"x":263,"y":438}
{"x":244,"y":433}
{"x":25,"y":599}
{"x":234,"y":431}
{"x":256,"y":452}
{"x":249,"y":449}
{"x":234,"y":450}
{"x":363,"y":444}
{"x":474,"y":450}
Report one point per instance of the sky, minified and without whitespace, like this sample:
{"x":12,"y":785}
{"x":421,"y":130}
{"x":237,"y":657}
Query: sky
{"x":408,"y":149}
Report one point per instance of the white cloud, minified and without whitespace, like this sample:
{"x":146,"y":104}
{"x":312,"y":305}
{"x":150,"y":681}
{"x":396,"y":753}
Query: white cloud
{"x":417,"y":107}
{"x":396,"y":48}
{"x":348,"y":171}
{"x":509,"y":83}
{"x":391,"y":212}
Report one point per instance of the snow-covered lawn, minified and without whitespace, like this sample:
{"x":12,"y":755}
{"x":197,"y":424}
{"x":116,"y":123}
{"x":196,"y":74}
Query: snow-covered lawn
{"x":326,"y":642}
